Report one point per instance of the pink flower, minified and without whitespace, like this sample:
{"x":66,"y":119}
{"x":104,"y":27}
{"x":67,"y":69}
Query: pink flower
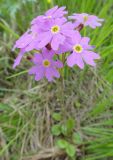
{"x":45,"y":66}
{"x":81,"y":52}
{"x":52,"y":34}
{"x":29,"y":39}
{"x":55,"y":32}
{"x":52,"y":13}
{"x":27,"y":42}
{"x":86,"y":20}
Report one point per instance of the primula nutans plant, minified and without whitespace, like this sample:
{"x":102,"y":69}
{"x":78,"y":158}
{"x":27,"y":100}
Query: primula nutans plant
{"x":54,"y":34}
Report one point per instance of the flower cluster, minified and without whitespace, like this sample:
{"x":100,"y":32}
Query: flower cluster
{"x":54,"y":35}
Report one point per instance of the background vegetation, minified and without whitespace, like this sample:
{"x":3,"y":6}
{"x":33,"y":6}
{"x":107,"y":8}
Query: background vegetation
{"x":36,"y":121}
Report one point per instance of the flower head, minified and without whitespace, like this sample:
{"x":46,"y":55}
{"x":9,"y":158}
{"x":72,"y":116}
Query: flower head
{"x":29,"y":39}
{"x":52,"y":13}
{"x":52,"y":34}
{"x":55,"y":32}
{"x":86,"y":20}
{"x":45,"y":66}
{"x":81,"y":52}
{"x":27,"y":42}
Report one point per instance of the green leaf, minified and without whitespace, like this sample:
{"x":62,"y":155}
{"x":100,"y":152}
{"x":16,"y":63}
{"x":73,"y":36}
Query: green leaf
{"x":77,"y":139}
{"x":70,"y":150}
{"x":64,"y":130}
{"x":56,"y":116}
{"x":17,"y":74}
{"x":61,"y":143}
{"x":8,"y":29}
{"x":56,"y":130}
{"x":70,"y":125}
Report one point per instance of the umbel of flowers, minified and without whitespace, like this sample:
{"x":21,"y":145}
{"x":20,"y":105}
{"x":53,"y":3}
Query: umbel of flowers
{"x":54,"y":34}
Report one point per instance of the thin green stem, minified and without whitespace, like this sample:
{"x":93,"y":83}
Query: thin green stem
{"x":63,"y":88}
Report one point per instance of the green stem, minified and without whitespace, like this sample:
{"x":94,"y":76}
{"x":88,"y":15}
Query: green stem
{"x":63,"y":87}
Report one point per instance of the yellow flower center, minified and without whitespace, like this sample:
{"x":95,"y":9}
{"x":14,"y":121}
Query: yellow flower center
{"x":77,"y":48}
{"x":85,"y":18}
{"x":46,"y":63}
{"x":55,"y":29}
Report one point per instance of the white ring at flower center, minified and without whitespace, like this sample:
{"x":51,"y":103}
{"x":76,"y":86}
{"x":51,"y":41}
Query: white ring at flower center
{"x":77,"y":48}
{"x":55,"y":29}
{"x":46,"y":63}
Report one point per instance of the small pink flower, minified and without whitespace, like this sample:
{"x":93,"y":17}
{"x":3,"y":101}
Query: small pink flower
{"x":81,"y":52}
{"x":86,"y":20}
{"x":52,"y":34}
{"x":29,"y":39}
{"x":52,"y":13}
{"x":27,"y":42}
{"x":45,"y":66}
{"x":55,"y":32}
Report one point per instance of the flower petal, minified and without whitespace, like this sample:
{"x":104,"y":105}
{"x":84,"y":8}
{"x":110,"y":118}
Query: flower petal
{"x":39,"y":75}
{"x":19,"y":57}
{"x":23,"y":41}
{"x":60,"y":21}
{"x":55,"y":73}
{"x":49,"y":74}
{"x":56,"y":41}
{"x":51,"y":11}
{"x":75,"y":58}
{"x":60,"y":12}
{"x":89,"y":57}
{"x":58,"y":64}
{"x":37,"y":59}
{"x":66,"y":47}
{"x":38,"y":71}
{"x":85,"y":43}
{"x":68,"y":33}
{"x":33,"y":70}
{"x":71,"y":60}
{"x":76,"y":38}
{"x":44,"y":39}
{"x":79,"y":61}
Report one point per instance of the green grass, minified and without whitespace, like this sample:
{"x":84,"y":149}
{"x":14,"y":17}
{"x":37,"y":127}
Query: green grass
{"x":26,"y":106}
